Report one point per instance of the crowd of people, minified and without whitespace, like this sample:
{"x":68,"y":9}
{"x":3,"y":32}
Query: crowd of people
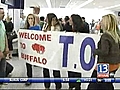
{"x":108,"y":50}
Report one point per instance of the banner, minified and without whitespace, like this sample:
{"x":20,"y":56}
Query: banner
{"x":58,"y":50}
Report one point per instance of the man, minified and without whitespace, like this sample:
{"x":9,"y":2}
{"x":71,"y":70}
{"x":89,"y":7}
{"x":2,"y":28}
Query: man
{"x":41,"y":23}
{"x":36,"y":11}
{"x":22,"y":22}
{"x":3,"y":45}
{"x":86,"y":25}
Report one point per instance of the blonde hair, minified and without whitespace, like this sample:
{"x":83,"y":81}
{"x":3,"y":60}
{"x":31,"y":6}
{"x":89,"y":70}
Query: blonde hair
{"x":111,"y":26}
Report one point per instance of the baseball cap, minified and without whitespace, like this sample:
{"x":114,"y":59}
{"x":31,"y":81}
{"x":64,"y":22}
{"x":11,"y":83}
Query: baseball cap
{"x":34,"y":6}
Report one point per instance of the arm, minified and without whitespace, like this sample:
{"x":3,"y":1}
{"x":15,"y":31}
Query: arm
{"x":1,"y":55}
{"x":105,"y":45}
{"x":6,"y":47}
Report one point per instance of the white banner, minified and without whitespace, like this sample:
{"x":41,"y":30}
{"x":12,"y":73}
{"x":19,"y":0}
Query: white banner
{"x":58,"y":50}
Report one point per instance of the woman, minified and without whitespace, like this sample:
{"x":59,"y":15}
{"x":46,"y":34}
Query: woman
{"x":67,"y":27}
{"x":52,"y":24}
{"x":77,"y":26}
{"x":108,"y":51}
{"x":9,"y":28}
{"x":30,"y":24}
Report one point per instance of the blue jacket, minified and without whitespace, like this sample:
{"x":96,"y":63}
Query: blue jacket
{"x":37,"y":27}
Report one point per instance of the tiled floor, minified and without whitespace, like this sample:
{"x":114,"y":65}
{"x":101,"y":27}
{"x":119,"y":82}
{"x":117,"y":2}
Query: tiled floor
{"x":20,"y":71}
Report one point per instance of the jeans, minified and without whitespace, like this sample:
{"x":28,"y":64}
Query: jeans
{"x":56,"y":74}
{"x":76,"y":85}
{"x":2,"y":67}
{"x":29,"y":70}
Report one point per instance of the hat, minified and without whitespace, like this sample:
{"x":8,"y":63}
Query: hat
{"x":35,"y":6}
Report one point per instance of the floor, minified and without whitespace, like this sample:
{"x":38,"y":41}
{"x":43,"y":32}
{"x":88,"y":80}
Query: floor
{"x":20,"y":71}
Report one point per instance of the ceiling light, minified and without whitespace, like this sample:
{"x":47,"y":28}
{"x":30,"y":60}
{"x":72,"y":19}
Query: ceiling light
{"x":48,"y":3}
{"x":112,"y":6}
{"x":93,"y":3}
{"x":85,"y":3}
{"x":100,"y":6}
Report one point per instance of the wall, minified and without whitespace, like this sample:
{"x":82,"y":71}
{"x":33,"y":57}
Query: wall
{"x":118,"y":17}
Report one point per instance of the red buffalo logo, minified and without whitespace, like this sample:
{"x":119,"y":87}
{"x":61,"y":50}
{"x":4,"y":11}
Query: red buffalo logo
{"x":39,"y":48}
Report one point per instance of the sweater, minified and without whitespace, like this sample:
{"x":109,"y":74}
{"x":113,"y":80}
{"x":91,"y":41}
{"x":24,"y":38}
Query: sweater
{"x":108,"y":50}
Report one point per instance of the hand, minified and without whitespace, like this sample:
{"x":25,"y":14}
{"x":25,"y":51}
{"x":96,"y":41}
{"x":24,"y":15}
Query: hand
{"x":53,"y":21}
{"x":6,"y":51}
{"x":1,"y":55}
{"x":93,"y":55}
{"x":44,"y":30}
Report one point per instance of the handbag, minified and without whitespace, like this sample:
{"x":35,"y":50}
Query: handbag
{"x":12,"y":35}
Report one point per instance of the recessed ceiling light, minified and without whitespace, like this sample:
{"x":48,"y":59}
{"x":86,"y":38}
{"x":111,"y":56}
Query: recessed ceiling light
{"x":93,"y":3}
{"x":100,"y":6}
{"x":112,"y":6}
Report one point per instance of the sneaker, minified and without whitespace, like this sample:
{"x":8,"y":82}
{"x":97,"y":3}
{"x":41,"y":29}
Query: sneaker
{"x":5,"y":83}
{"x":70,"y":89}
{"x":28,"y":83}
{"x":9,"y":75}
{"x":7,"y":58}
{"x":10,"y":57}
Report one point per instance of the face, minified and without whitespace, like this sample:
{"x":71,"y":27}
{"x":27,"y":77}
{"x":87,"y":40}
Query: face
{"x":102,"y":23}
{"x":30,"y":19}
{"x":1,"y":14}
{"x":36,"y":10}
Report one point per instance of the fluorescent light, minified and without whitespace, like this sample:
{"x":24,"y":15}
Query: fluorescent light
{"x":69,"y":4}
{"x":85,"y":3}
{"x":48,"y":3}
{"x":100,"y":6}
{"x":112,"y":6}
{"x":93,"y":3}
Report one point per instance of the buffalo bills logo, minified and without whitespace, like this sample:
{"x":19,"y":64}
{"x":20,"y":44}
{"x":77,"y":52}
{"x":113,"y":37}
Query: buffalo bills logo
{"x":39,"y":48}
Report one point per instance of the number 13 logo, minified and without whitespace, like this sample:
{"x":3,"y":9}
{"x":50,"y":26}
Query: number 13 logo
{"x":103,"y":68}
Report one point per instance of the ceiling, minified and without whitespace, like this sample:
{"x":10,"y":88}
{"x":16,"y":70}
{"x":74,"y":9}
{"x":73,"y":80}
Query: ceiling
{"x":76,"y":4}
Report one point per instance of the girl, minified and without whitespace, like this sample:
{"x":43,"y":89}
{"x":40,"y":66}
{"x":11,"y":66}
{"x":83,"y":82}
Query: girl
{"x":108,"y":51}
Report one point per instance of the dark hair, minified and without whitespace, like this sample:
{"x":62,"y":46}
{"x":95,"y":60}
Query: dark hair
{"x":50,"y":16}
{"x":10,"y":19}
{"x":60,"y":19}
{"x":42,"y":18}
{"x":83,"y":18}
{"x":77,"y":22}
{"x":66,"y":18}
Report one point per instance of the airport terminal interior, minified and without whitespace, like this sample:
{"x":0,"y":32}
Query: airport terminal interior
{"x":90,"y":10}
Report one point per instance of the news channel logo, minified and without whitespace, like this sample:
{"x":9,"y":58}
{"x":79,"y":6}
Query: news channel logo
{"x":102,"y":70}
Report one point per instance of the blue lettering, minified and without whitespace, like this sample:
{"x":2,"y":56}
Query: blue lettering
{"x":87,"y":41}
{"x":65,"y":40}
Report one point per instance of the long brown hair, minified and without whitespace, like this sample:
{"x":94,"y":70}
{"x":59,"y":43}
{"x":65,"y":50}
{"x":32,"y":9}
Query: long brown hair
{"x":50,"y":16}
{"x":27,"y":25}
